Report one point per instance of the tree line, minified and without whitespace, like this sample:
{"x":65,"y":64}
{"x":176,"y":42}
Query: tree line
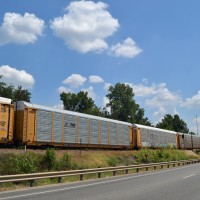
{"x":122,"y":105}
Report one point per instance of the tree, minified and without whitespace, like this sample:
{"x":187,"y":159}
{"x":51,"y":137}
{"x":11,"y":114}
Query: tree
{"x":16,"y":94}
{"x":123,"y":106}
{"x":192,"y":133}
{"x":173,"y":123}
{"x":21,"y":94}
{"x":79,"y":102}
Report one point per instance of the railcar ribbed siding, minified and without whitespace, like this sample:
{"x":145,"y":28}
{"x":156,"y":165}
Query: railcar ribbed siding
{"x":120,"y":134}
{"x":44,"y":126}
{"x":57,"y":127}
{"x":94,"y":128}
{"x":70,"y":129}
{"x":126,"y":135}
{"x":83,"y":130}
{"x":104,"y":132}
{"x":113,"y":131}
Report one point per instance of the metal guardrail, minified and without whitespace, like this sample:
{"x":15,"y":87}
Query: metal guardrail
{"x":36,"y":176}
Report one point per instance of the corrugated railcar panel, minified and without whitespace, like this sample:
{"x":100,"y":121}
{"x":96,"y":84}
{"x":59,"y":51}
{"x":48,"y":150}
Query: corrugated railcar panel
{"x":152,"y":138}
{"x":58,"y":127}
{"x":83,"y":130}
{"x":120,"y":134}
{"x":113,"y":132}
{"x":144,"y":137}
{"x":69,"y":128}
{"x":173,"y":139}
{"x":93,"y":131}
{"x":104,"y":132}
{"x":126,"y":135}
{"x":44,"y":126}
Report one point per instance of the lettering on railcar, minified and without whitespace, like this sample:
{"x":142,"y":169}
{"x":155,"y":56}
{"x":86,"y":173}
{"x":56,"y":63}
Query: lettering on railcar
{"x":71,"y":125}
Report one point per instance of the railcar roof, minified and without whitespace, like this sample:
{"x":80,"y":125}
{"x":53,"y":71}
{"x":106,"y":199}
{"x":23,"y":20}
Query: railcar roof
{"x":22,"y":104}
{"x":189,"y":135}
{"x":153,"y":128}
{"x":5,"y":100}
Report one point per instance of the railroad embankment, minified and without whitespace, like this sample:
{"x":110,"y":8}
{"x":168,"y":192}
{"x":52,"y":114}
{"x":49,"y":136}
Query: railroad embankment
{"x":30,"y":161}
{"x":18,"y":161}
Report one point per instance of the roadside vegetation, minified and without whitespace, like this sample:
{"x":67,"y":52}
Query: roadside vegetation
{"x":52,"y":160}
{"x":21,"y":162}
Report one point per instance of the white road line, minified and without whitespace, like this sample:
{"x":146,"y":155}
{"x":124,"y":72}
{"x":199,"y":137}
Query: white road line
{"x":189,"y":176}
{"x":92,"y":184}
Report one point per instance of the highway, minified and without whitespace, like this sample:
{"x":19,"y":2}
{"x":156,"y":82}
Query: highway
{"x":181,"y":183}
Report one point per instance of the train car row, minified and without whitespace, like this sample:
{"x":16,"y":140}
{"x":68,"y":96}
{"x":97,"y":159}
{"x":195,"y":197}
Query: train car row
{"x":36,"y":125}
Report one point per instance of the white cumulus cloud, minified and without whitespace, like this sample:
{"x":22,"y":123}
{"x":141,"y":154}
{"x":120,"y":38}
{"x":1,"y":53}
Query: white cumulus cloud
{"x":95,"y":79}
{"x":64,"y":89}
{"x":192,"y":102}
{"x":143,"y":90}
{"x":75,"y":80}
{"x":106,"y":86}
{"x":16,"y":77}
{"x":127,"y":48}
{"x":163,"y":97}
{"x":157,"y":98}
{"x":85,"y":26}
{"x":20,"y":29}
{"x":91,"y":93}
{"x":59,"y":106}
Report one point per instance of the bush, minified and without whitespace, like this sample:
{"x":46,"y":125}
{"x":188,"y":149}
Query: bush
{"x":49,"y":160}
{"x":65,"y":162}
{"x":19,"y":164}
{"x":160,"y":155}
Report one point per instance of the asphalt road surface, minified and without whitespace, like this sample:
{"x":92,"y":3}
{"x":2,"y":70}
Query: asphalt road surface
{"x":173,"y":184}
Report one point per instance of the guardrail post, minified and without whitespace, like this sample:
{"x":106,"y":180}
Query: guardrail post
{"x":147,"y":169}
{"x":59,"y":179}
{"x":126,"y":171}
{"x":99,"y":175}
{"x":81,"y":177}
{"x":167,"y":166}
{"x":114,"y":173}
{"x":154,"y":167}
{"x":174,"y":165}
{"x":31,"y":183}
{"x":137,"y":170}
{"x":161,"y":166}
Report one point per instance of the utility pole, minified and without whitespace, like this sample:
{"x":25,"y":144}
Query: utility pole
{"x":197,"y":125}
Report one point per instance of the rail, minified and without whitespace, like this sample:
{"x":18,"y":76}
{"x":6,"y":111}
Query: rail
{"x":36,"y":176}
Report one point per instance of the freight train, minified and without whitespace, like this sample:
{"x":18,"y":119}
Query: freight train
{"x":24,"y":123}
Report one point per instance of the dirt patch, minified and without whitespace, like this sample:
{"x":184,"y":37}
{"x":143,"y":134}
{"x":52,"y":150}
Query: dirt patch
{"x":191,"y":153}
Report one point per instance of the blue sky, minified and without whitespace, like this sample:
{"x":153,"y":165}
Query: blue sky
{"x":53,"y":46}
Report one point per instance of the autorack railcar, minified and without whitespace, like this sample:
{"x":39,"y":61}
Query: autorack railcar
{"x":155,"y":137}
{"x":40,"y":125}
{"x":188,"y":141}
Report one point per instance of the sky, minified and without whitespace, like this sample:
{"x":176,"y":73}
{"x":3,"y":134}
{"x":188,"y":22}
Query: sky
{"x":154,"y":46}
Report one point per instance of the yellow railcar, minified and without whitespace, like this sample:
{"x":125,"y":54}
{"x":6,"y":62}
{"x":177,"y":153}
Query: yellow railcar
{"x":6,"y":121}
